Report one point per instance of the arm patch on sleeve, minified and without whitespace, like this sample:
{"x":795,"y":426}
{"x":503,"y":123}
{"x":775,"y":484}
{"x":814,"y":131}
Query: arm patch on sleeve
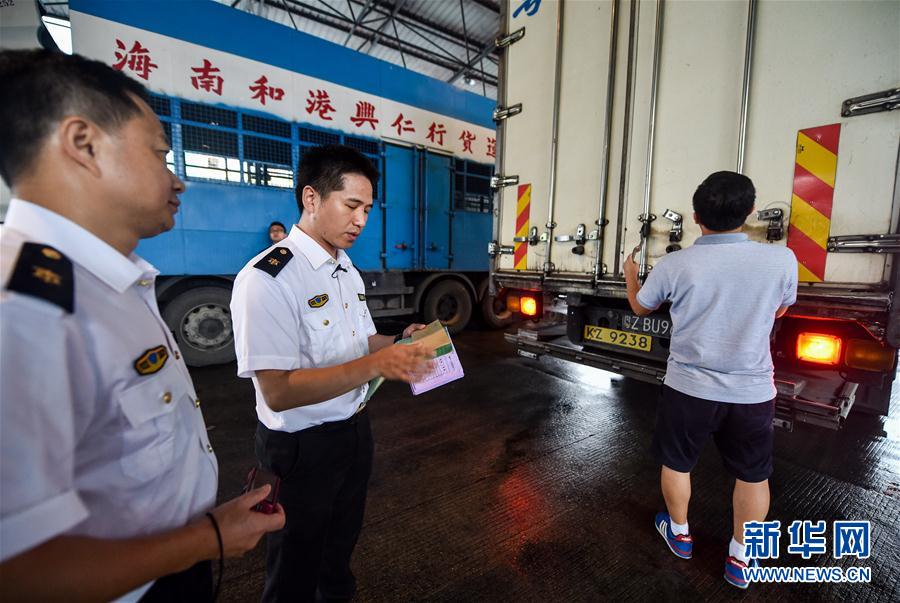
{"x":43,"y":272}
{"x":275,"y":260}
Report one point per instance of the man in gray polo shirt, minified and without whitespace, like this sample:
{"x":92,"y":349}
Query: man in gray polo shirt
{"x":726,"y":292}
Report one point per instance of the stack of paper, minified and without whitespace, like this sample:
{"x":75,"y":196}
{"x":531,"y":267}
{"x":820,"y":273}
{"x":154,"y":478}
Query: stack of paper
{"x":447,"y":367}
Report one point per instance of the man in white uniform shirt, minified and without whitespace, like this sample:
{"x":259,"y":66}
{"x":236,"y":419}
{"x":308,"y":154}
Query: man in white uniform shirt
{"x":107,"y":478}
{"x":304,"y":335}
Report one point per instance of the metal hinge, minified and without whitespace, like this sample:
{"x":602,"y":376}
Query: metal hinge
{"x":775,"y":218}
{"x":876,"y":243}
{"x":501,"y":181}
{"x":501,"y":113}
{"x":531,"y":239}
{"x":886,"y":100}
{"x":495,"y":249}
{"x":510,"y":39}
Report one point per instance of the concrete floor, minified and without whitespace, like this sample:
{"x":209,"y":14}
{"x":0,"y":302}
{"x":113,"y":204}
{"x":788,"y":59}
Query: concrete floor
{"x":532,"y":481}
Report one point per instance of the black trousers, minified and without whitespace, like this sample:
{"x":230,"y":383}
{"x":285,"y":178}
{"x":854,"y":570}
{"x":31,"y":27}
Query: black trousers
{"x":194,"y":584}
{"x":324,"y":473}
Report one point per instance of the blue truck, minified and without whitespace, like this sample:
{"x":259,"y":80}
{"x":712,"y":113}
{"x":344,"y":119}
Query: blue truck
{"x":236,"y":140}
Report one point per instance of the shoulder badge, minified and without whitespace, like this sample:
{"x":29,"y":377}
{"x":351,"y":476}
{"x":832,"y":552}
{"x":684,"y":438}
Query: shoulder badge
{"x":318,"y":301}
{"x":361,"y":296}
{"x":275,"y":260}
{"x":43,"y":272}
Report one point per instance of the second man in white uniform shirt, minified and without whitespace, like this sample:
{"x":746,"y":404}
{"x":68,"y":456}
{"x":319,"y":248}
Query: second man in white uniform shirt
{"x":316,"y":316}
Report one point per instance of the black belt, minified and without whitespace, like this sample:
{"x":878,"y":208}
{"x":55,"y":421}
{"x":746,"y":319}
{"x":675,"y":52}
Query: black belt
{"x":339,"y":425}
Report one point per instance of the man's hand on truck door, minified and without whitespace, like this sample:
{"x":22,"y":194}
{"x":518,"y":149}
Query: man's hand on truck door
{"x":633,"y":284}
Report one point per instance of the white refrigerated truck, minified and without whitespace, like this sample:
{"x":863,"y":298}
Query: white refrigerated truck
{"x":611,"y":112}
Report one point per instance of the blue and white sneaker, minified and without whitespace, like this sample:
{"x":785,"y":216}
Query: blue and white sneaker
{"x":682,"y":544}
{"x":734,"y":571}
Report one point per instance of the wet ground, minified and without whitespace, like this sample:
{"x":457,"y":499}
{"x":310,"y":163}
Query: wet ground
{"x":532,"y":481}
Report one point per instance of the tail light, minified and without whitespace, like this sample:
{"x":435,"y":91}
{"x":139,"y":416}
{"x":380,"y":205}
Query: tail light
{"x":819,"y":348}
{"x":525,"y":303}
{"x":528,"y":305}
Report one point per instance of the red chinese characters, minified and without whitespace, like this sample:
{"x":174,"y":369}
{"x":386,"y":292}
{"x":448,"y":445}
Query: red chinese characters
{"x":467,"y":138}
{"x":436,"y":131}
{"x":261,"y":91}
{"x":492,"y":147}
{"x":206,"y":78}
{"x":403,"y":125}
{"x":319,"y":102}
{"x":137,"y":59}
{"x":365,"y":113}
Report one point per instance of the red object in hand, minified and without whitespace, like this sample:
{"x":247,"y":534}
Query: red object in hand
{"x":259,"y":477}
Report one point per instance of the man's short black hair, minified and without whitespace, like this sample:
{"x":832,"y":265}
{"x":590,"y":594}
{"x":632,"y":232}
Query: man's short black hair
{"x":323,"y":168}
{"x":724,"y":200}
{"x":38,"y":88}
{"x":277,"y":223}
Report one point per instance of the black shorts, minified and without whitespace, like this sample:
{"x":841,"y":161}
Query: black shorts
{"x":743,"y":434}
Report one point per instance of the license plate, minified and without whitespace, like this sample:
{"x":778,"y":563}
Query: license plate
{"x":633,"y":341}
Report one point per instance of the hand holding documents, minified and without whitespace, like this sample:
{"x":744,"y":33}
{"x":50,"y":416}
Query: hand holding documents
{"x":447,"y":367}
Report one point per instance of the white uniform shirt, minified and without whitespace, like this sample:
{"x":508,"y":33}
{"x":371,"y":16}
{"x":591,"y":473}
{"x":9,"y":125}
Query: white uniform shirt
{"x":303,"y":317}
{"x":89,"y":445}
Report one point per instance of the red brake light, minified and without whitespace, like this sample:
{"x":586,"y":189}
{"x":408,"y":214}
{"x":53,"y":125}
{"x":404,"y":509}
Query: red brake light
{"x":529,"y":305}
{"x":819,"y":348}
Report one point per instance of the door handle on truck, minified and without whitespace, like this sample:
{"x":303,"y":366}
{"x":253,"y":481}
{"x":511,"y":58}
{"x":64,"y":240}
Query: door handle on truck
{"x":775,"y":218}
{"x":676,"y":233}
{"x":531,"y":239}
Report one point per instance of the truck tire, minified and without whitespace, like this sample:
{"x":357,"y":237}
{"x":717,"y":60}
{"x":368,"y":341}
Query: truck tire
{"x":494,"y":312}
{"x":201,"y":320}
{"x":449,"y":302}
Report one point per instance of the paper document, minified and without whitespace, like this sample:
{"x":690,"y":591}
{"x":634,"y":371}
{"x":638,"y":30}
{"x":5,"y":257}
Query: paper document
{"x":447,"y":367}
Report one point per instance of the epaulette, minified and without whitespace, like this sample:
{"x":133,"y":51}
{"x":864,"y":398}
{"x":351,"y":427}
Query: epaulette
{"x":43,"y":272}
{"x":275,"y":260}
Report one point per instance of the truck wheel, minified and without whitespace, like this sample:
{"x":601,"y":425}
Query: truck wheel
{"x":201,"y":321}
{"x":449,"y":302}
{"x":494,"y":312}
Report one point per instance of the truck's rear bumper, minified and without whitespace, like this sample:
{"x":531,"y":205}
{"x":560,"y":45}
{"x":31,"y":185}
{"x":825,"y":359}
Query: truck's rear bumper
{"x":790,"y":406}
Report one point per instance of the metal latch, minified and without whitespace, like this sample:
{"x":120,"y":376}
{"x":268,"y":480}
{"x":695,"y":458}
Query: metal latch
{"x":501,"y":113}
{"x":579,"y":239}
{"x":646,"y":220}
{"x":676,"y":233}
{"x":531,"y":239}
{"x":886,"y":100}
{"x":510,"y":39}
{"x":775,"y":218}
{"x":501,"y":181}
{"x":875,"y":243}
{"x":594,"y":235}
{"x":495,"y":249}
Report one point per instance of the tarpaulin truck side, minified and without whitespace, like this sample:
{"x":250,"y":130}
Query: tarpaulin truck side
{"x":610,"y":113}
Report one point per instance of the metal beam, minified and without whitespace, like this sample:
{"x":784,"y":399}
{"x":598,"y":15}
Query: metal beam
{"x":486,"y":50}
{"x":320,"y":16}
{"x":398,"y":4}
{"x":413,"y":21}
{"x":397,"y":38}
{"x":492,"y":6}
{"x":358,"y":20}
